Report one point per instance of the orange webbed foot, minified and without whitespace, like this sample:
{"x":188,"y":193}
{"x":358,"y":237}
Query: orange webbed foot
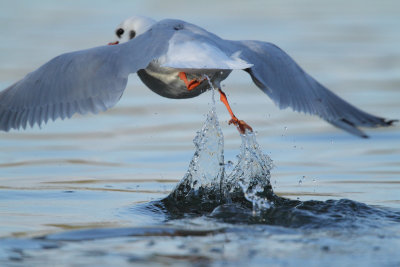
{"x":242,"y":126}
{"x":193,"y":84}
{"x":190,"y":85}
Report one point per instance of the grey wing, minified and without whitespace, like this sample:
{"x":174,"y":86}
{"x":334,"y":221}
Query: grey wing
{"x":90,"y":80}
{"x":282,"y":79}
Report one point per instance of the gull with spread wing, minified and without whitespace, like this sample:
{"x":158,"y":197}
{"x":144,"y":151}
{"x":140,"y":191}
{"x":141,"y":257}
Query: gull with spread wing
{"x":171,"y":57}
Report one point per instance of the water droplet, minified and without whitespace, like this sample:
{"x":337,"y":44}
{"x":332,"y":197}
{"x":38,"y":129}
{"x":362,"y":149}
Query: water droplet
{"x":229,"y":166}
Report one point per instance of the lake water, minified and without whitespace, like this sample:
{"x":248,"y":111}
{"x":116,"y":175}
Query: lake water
{"x":86,"y":191}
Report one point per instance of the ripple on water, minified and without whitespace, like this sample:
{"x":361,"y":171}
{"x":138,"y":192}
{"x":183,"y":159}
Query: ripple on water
{"x":213,"y":215}
{"x":245,"y":195}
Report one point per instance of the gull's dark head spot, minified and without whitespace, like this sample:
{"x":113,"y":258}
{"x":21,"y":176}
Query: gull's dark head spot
{"x":132,"y":28}
{"x":119,"y":32}
{"x":132,"y":34}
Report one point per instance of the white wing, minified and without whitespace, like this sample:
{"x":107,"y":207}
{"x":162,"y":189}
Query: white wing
{"x":90,"y":80}
{"x":195,"y":54}
{"x":193,"y":48}
{"x":278,"y":75}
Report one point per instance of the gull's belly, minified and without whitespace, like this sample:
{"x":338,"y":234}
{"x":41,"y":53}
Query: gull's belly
{"x":165,"y":81}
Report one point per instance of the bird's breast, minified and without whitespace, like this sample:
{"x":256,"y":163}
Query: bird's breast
{"x":166,"y":82}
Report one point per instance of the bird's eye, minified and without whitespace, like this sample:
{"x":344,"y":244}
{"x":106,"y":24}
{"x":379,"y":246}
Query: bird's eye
{"x":132,"y":34}
{"x":119,"y":32}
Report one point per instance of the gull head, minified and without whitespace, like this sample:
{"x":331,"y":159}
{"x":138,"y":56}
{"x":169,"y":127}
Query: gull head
{"x":131,"y":28}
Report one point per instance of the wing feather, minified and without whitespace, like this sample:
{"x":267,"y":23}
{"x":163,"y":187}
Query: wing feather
{"x":91,"y":80}
{"x":288,"y":85}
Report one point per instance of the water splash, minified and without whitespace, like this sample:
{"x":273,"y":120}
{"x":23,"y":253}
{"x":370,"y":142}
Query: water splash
{"x":204,"y":179}
{"x":252,"y":174}
{"x":206,"y":184}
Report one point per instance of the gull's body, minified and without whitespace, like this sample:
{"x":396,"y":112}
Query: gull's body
{"x":165,"y":81}
{"x":93,"y":80}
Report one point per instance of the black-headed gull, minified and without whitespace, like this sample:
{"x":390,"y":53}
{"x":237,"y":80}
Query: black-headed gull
{"x":172,"y":58}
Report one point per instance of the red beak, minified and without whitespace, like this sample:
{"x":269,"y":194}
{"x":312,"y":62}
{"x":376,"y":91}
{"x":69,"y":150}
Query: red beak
{"x":113,"y":43}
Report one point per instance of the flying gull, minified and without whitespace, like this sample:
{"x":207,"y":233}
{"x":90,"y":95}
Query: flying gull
{"x":172,"y":58}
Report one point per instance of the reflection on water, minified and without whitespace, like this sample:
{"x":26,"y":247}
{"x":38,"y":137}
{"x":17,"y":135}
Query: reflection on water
{"x":91,"y":173}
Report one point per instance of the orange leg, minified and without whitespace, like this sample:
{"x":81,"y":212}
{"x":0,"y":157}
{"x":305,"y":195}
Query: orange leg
{"x":241,"y":125}
{"x":189,"y":84}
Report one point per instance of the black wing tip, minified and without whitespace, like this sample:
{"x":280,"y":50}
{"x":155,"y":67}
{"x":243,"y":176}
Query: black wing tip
{"x":382,"y":122}
{"x":389,"y":122}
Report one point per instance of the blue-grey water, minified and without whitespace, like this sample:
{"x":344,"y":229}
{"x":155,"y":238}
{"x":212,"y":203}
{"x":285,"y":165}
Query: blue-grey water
{"x":86,"y":191}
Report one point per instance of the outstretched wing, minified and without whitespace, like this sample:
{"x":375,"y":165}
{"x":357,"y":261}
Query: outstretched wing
{"x":279,"y":76}
{"x":90,"y":80}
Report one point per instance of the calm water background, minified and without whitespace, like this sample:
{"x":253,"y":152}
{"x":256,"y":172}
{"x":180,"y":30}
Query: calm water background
{"x":89,"y":171}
